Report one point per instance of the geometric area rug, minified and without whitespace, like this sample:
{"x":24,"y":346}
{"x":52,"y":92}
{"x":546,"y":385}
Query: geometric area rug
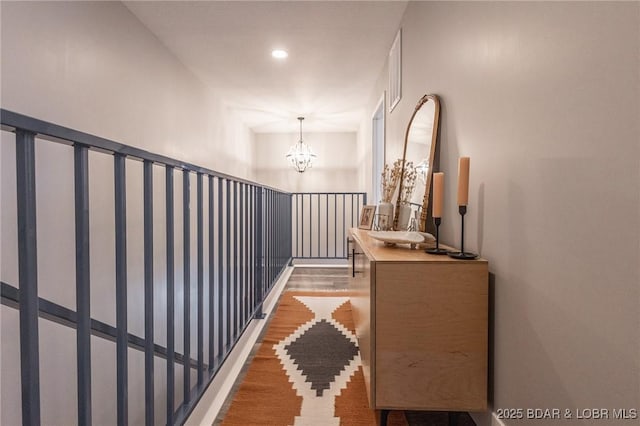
{"x":307,"y":370}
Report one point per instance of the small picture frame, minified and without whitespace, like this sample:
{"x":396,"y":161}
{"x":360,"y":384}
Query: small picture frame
{"x":366,"y":217}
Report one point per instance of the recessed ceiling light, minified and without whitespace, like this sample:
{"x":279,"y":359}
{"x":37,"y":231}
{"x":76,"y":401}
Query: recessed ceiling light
{"x":279,"y":53}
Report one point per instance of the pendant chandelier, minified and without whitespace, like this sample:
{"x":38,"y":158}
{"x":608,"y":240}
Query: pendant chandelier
{"x":300,"y":155}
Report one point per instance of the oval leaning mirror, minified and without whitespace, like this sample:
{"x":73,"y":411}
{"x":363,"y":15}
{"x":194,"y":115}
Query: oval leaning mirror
{"x":419,"y":150}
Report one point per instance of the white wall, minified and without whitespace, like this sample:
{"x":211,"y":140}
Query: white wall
{"x":95,"y":68}
{"x":545,"y":99}
{"x":334,"y":170}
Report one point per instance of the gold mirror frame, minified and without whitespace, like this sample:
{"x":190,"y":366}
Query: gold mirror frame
{"x":422,"y":224}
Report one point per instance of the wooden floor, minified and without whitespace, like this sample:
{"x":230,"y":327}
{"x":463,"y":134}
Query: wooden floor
{"x":321,"y":279}
{"x":334,"y":279}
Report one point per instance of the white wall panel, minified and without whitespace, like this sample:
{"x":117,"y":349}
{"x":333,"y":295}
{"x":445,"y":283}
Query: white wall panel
{"x":545,"y":99}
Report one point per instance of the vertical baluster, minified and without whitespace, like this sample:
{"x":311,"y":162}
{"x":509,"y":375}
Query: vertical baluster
{"x":344,"y":224}
{"x":278,"y":233}
{"x":252,"y":219}
{"x":28,"y":277}
{"x":270,"y":243}
{"x":274,"y":236}
{"x":310,"y":225}
{"x":352,"y":207}
{"x":235,"y":261}
{"x":277,"y":237}
{"x":251,"y":246}
{"x":280,"y":230}
{"x":186,"y":262}
{"x":200,"y":239}
{"x":302,"y":224}
{"x":211,"y":279}
{"x":326,"y":230}
{"x":335,"y":225}
{"x":220,"y":269}
{"x":83,"y":284}
{"x":358,"y":198}
{"x":283,"y":209}
{"x":246,"y":253}
{"x":148,"y":293}
{"x":228,"y":266}
{"x":259,"y":253}
{"x":290,"y":216}
{"x":240,"y":257}
{"x":121,"y":289}
{"x":266,"y":243}
{"x":283,"y":230}
{"x":170,"y":294}
{"x":270,"y":240}
{"x":319,"y":231}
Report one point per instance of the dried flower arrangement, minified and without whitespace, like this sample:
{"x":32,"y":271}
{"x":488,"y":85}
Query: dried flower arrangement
{"x":390,"y":180}
{"x":408,"y":182}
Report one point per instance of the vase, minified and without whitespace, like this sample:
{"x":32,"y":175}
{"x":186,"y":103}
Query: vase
{"x":386,"y":210}
{"x":404,"y":214}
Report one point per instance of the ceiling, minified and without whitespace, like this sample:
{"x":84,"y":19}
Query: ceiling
{"x":336,"y":52}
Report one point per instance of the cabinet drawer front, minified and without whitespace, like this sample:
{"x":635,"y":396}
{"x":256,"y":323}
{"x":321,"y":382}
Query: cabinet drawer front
{"x":431,"y":336}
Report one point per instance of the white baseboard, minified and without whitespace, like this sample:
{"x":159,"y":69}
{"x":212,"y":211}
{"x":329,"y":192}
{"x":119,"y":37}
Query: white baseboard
{"x":207,"y":409}
{"x":320,"y":263}
{"x":487,"y":418}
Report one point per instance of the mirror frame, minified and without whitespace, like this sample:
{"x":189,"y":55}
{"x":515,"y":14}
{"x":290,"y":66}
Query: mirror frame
{"x":422,"y":225}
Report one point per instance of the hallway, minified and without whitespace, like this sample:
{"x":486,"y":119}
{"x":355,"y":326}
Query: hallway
{"x":150,"y":211}
{"x":329,"y":279}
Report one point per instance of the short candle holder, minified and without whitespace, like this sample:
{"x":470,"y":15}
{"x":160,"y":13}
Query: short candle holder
{"x":462,"y":254}
{"x":437,"y":249}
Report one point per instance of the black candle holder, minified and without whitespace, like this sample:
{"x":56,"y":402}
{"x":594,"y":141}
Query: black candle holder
{"x":437,"y":249}
{"x":462,"y":254}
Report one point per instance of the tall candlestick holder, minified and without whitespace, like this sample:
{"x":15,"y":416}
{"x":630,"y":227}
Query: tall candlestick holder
{"x":437,"y":249}
{"x":462,"y":254}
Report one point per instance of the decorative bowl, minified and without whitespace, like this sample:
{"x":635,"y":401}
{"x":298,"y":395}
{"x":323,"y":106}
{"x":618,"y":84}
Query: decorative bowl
{"x":397,"y":237}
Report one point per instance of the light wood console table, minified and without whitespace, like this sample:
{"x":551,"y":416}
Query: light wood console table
{"x":421,"y":322}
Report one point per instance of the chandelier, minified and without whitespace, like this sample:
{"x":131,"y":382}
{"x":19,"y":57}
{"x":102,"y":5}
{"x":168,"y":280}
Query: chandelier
{"x":300,"y":155}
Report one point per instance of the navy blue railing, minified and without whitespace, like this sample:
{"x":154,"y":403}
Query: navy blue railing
{"x":248,"y":234}
{"x":320,"y":222}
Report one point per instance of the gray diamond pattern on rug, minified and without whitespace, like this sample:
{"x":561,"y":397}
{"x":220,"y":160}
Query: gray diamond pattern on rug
{"x":321,"y":353}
